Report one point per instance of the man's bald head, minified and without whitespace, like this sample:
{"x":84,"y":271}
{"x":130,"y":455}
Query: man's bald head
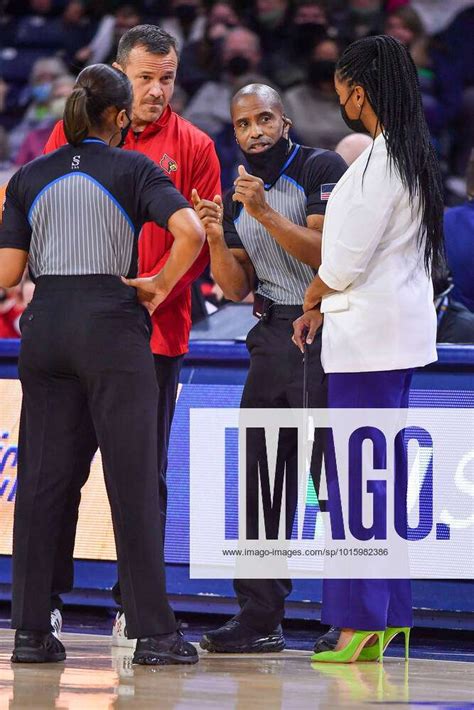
{"x":264,"y":93}
{"x":258,"y":118}
{"x":352,"y":146}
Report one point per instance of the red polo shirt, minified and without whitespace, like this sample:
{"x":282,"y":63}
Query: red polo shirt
{"x":188,"y":156}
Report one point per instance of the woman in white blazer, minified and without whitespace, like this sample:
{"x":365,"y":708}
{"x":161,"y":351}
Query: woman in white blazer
{"x":382,"y":237}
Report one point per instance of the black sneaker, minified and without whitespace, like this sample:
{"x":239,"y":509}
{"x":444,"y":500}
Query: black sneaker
{"x":37,"y":647}
{"x":327,"y":641}
{"x":164,"y":650}
{"x":235,"y":637}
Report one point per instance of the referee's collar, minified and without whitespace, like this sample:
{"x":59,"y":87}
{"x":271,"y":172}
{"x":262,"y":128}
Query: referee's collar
{"x":94,"y":140}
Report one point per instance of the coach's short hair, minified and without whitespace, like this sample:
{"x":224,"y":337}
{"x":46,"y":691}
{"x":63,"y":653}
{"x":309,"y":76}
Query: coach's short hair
{"x":151,"y":37}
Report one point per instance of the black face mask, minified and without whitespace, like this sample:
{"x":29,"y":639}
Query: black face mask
{"x":186,"y":13}
{"x":321,"y":71}
{"x":238,"y":65}
{"x":306,"y":35}
{"x":355,"y":124}
{"x":123,"y":133}
{"x":268,"y":165}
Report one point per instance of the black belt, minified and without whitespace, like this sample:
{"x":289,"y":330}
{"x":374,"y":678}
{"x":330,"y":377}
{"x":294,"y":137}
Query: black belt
{"x":265,"y":309}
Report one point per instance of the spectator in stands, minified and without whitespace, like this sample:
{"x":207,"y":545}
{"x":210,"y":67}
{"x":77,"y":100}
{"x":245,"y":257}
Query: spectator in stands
{"x":392,"y":5}
{"x":446,"y":75}
{"x":42,"y":8}
{"x":35,"y":141}
{"x":436,"y":15}
{"x":314,"y":106}
{"x":310,"y":25}
{"x":459,"y":241}
{"x":272,"y":22}
{"x":77,"y":27}
{"x":241,"y":57}
{"x":103,"y":46}
{"x":200,"y":61}
{"x":187,"y":23}
{"x":37,"y":95}
{"x":222,"y":16}
{"x":360,"y":18}
{"x":405,"y":24}
{"x":352,"y":146}
{"x":459,"y":86}
{"x":50,"y":30}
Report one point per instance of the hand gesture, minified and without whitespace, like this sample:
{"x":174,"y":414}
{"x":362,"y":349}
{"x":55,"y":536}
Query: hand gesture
{"x":305,"y":327}
{"x":149,"y":292}
{"x":249,"y":190}
{"x":210,"y":213}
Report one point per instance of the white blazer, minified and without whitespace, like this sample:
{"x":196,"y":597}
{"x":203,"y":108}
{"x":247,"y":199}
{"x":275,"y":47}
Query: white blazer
{"x":382,"y":317}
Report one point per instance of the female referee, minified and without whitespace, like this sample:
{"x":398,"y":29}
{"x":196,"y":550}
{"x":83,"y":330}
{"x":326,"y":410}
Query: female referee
{"x":382,"y":238}
{"x":74,"y":216}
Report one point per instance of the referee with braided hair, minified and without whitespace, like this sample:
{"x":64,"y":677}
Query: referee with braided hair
{"x":382,"y":239}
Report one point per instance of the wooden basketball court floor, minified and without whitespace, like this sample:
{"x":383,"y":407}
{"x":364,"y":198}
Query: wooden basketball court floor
{"x":97,"y":676}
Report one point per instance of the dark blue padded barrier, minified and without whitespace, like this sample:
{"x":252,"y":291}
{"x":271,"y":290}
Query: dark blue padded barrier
{"x":218,"y":369}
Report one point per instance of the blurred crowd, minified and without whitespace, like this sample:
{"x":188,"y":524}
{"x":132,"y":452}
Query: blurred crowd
{"x":292,"y":45}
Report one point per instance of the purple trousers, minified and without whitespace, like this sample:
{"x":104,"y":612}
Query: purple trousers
{"x":368,"y":604}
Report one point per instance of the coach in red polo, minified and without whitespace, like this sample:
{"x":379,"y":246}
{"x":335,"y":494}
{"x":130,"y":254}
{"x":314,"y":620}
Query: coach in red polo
{"x":149,"y":57}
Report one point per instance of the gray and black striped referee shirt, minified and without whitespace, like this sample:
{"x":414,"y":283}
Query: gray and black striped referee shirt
{"x":79,"y":210}
{"x":302,"y":189}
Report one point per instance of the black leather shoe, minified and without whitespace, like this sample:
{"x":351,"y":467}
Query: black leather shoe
{"x":327,"y":641}
{"x":235,"y":637}
{"x":164,"y":650}
{"x":37,"y":647}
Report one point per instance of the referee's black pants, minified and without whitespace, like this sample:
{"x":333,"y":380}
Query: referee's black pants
{"x":85,"y":348}
{"x":275,"y":379}
{"x":167,"y":370}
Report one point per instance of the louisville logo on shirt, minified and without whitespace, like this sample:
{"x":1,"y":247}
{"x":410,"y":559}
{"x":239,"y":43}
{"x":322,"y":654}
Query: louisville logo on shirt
{"x":168,"y":164}
{"x":326,"y":190}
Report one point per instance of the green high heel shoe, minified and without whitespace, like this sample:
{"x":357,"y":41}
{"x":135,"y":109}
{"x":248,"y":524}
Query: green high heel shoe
{"x":370,"y":653}
{"x":351,"y":652}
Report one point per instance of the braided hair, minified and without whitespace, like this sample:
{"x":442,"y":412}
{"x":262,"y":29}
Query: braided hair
{"x":385,"y":69}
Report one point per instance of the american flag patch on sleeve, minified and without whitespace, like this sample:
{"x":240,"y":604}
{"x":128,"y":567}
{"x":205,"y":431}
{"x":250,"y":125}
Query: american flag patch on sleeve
{"x":326,"y":190}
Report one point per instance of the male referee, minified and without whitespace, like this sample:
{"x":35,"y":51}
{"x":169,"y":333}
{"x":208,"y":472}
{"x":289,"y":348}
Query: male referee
{"x":148,"y":56}
{"x":271,"y":233}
